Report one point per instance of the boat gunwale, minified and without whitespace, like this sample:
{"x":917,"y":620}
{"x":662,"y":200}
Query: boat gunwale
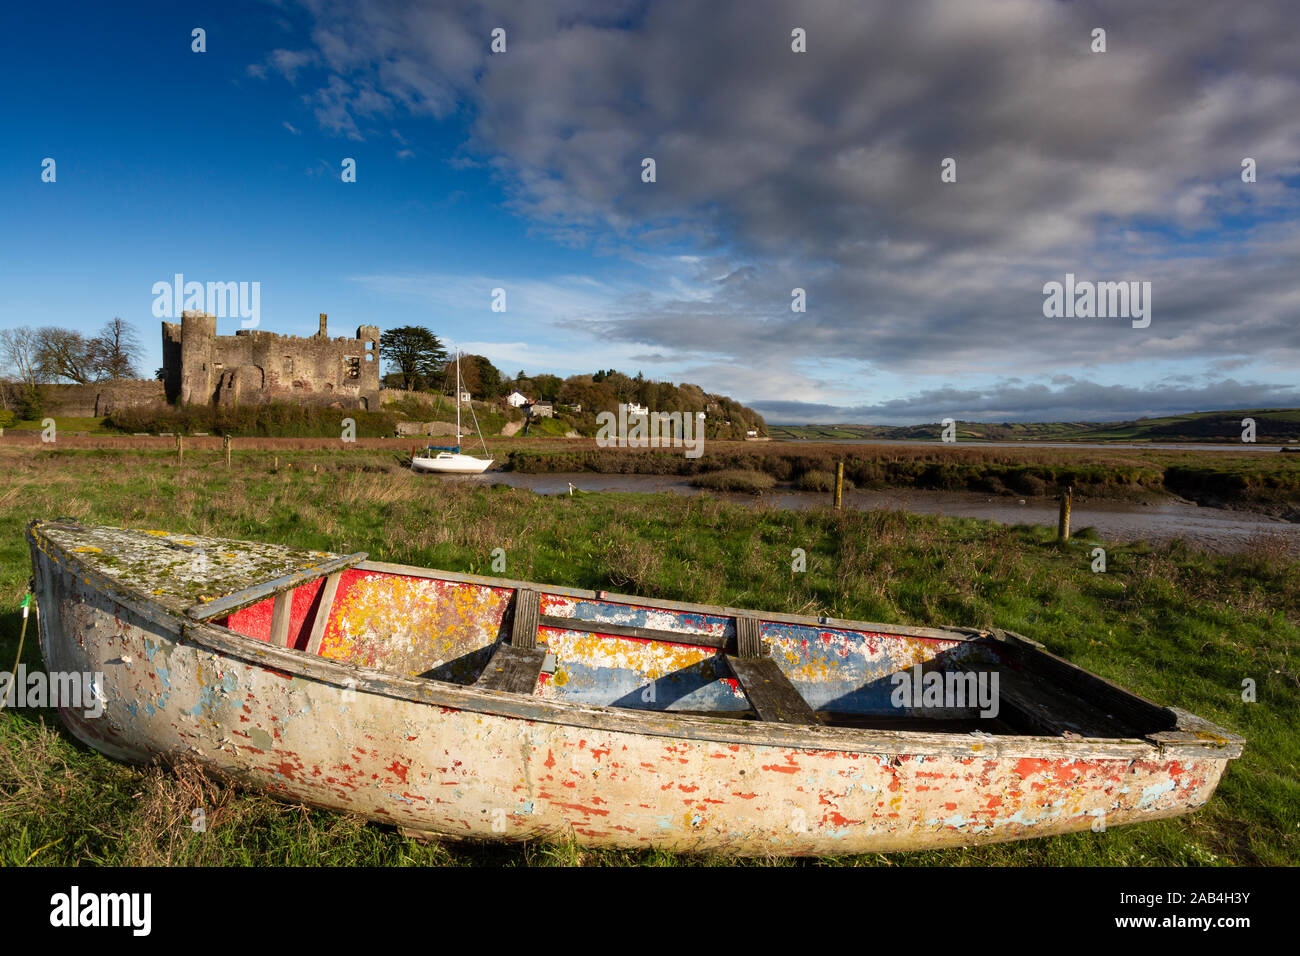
{"x":1188,"y":741}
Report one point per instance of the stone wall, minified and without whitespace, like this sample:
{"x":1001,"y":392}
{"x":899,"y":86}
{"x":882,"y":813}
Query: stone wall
{"x":427,"y":428}
{"x":253,"y":366}
{"x":98,"y":399}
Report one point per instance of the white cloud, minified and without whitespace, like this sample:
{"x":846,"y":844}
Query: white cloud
{"x":821,"y":171}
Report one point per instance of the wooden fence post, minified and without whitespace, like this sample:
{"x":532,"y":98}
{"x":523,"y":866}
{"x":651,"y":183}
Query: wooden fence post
{"x":839,"y":483}
{"x":180,"y":449}
{"x":1063,"y":525}
{"x":225,"y":446}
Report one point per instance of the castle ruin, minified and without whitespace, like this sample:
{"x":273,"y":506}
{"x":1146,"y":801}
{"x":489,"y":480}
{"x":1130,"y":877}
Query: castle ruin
{"x":253,"y":367}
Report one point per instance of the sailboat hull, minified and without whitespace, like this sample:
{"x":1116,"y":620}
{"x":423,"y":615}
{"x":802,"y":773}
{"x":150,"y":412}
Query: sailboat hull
{"x":452,"y":464}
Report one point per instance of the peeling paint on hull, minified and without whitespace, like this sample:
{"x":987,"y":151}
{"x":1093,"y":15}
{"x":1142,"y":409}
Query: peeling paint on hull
{"x":474,"y":764}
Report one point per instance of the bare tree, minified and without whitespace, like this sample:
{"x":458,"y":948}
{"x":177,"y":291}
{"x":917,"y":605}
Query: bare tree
{"x":64,"y":353}
{"x":20,"y":355}
{"x":20,"y":350}
{"x":115,"y":350}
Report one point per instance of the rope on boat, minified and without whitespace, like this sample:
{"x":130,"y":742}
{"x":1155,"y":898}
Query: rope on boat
{"x":22,"y":636}
{"x":482,"y":440}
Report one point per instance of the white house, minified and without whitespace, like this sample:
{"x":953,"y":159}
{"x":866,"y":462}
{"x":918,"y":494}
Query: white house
{"x":517,"y":399}
{"x":634,"y":409}
{"x":464,"y":395}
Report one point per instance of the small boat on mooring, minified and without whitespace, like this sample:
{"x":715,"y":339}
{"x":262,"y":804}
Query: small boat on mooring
{"x":450,"y":460}
{"x":468,"y":706}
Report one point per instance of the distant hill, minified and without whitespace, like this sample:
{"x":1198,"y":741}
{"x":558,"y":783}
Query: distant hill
{"x":1272,"y":426}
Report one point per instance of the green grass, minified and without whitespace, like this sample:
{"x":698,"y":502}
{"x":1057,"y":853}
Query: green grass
{"x":1177,"y":625}
{"x":66,"y":425}
{"x":546,"y":428}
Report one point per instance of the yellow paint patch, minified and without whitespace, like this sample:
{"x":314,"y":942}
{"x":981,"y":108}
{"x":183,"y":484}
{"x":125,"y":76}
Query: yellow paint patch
{"x":411,"y":625}
{"x":648,"y":658}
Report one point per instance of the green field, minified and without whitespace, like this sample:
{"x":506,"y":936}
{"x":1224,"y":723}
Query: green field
{"x":1179,"y":626}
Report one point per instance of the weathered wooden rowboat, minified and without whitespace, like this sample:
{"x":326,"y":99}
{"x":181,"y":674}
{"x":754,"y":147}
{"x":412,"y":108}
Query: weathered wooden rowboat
{"x":484,"y":708}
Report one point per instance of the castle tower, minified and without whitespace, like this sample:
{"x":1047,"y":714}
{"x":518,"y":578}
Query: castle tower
{"x":322,"y":333}
{"x":369,"y":335}
{"x":198,"y":335}
{"x":171,"y":353}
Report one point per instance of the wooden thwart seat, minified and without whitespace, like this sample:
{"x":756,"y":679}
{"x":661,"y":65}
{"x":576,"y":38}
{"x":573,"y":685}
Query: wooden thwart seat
{"x":770,"y":692}
{"x":511,"y":668}
{"x":523,"y":630}
{"x":516,"y":666}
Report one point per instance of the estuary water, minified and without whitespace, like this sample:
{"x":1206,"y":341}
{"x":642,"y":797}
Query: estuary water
{"x":1213,"y":529}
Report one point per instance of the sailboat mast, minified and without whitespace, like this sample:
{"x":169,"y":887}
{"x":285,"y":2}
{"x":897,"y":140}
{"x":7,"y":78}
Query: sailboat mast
{"x":458,"y":400}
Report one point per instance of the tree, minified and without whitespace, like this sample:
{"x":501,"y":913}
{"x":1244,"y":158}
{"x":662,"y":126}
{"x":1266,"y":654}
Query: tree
{"x":547,"y":387}
{"x":415,"y":352}
{"x":115,"y":350}
{"x":478,"y":376}
{"x":20,"y":351}
{"x":65,"y":353}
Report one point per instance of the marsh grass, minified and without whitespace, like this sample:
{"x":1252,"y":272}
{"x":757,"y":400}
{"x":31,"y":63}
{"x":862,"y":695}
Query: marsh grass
{"x":1172,"y":623}
{"x":1264,"y":481}
{"x":741,"y":480}
{"x":822,"y":481}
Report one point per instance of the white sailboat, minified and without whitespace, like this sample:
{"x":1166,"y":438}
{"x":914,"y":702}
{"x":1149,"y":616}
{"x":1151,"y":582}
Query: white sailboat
{"x":450,"y":461}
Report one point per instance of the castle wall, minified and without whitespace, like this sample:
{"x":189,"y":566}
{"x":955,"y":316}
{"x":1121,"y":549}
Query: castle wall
{"x":256,"y":366}
{"x":97,"y":399}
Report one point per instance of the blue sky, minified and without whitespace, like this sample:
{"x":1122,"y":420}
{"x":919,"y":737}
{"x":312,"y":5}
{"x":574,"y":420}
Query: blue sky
{"x":776,"y":170}
{"x":174,"y":161}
